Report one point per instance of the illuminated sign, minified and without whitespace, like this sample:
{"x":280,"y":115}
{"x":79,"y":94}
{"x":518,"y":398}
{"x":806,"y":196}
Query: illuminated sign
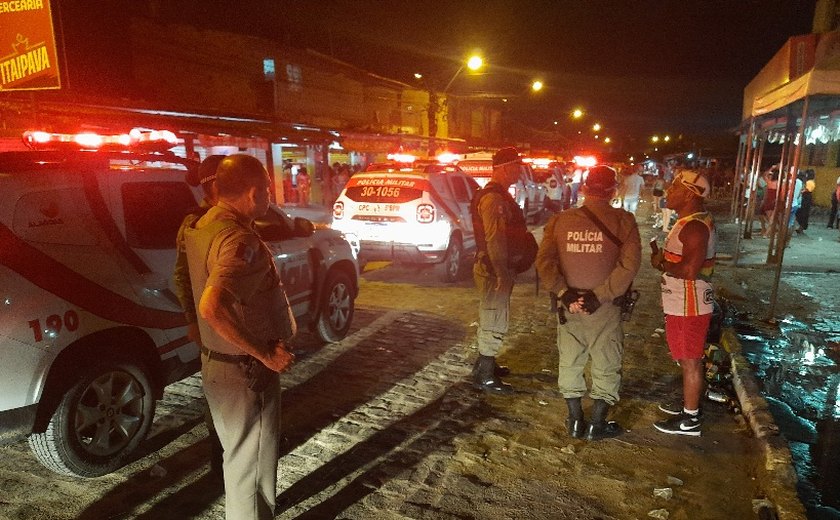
{"x":28,"y":53}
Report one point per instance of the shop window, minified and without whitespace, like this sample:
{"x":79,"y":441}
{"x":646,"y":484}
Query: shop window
{"x":294,"y":77}
{"x":816,"y":154}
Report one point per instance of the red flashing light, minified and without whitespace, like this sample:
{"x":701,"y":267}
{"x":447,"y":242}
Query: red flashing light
{"x":147,"y":140}
{"x":585,"y":161}
{"x":448,"y":158}
{"x":402,"y":158}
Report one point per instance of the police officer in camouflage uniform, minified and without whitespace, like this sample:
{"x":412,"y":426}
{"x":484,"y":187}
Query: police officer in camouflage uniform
{"x":588,"y":268}
{"x":495,"y":217}
{"x":245,"y":320}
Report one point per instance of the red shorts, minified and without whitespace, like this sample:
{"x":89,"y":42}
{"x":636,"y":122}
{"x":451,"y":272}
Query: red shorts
{"x":686,"y":335}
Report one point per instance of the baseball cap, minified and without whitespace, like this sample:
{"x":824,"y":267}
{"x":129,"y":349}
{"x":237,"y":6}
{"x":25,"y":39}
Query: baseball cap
{"x":694,"y":182}
{"x":601,"y":178}
{"x":505,"y":156}
{"x":207,"y":168}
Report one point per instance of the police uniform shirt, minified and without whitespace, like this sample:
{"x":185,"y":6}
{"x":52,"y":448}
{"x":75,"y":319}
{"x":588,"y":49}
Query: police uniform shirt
{"x":576,"y":253}
{"x":495,"y":215}
{"x":240,"y":262}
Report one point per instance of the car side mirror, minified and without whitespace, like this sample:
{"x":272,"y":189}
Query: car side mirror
{"x":303,"y":227}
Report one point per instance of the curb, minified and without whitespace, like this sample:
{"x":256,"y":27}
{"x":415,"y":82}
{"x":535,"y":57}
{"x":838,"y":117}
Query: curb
{"x":778,"y":464}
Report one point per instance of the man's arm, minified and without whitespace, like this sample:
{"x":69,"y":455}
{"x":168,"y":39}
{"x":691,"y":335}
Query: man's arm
{"x":183,"y":284}
{"x":547,"y":262}
{"x":491,"y":209}
{"x":218,"y":307}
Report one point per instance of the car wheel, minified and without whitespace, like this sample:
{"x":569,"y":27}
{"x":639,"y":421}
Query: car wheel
{"x":453,"y":261}
{"x":99,"y":421}
{"x":337,"y":306}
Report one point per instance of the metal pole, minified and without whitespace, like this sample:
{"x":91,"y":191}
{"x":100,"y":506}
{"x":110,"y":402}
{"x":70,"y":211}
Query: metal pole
{"x":752,"y":179}
{"x":794,"y":169}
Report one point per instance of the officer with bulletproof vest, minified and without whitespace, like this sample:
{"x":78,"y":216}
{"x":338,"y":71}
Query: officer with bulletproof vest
{"x":245,"y":322}
{"x":504,"y":248}
{"x":589,"y":256}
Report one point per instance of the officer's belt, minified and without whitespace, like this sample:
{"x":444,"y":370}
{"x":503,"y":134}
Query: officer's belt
{"x":226,"y":358}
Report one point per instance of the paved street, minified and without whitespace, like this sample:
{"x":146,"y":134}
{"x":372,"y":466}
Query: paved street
{"x":385,"y":425}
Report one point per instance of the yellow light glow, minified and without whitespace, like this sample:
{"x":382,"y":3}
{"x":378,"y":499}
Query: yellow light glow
{"x":417,"y":75}
{"x":577,"y":113}
{"x":475,"y":62}
{"x":537,"y":85}
{"x":655,"y":139}
{"x":667,"y":138}
{"x":607,"y":140}
{"x":596,"y":127}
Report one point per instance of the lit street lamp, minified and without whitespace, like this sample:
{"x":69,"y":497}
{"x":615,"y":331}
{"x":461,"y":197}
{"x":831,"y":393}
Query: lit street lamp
{"x":537,"y":85}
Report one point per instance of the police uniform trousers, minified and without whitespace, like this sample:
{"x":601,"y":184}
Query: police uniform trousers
{"x":598,"y":336}
{"x":493,"y":311}
{"x":248,"y":425}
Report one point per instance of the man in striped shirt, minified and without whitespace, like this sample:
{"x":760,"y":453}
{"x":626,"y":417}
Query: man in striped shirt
{"x":687,"y":262}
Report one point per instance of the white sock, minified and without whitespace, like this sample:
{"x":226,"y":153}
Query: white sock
{"x":691,"y":412}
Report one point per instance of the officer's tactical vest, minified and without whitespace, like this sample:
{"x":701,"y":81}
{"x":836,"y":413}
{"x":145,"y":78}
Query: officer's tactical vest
{"x":522,"y":246}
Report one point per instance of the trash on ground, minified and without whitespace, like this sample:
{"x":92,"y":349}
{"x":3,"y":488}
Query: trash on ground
{"x":661,"y":514}
{"x":666,"y":493}
{"x":674,"y":481}
{"x":569,"y":449}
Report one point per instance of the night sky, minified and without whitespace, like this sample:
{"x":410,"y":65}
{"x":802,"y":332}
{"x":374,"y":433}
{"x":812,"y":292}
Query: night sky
{"x":638,"y":66}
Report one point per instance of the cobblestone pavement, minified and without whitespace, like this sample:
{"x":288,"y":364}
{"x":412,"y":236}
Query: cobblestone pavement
{"x":384,"y":425}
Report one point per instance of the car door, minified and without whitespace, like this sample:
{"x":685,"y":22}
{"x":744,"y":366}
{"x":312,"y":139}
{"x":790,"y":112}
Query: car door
{"x":463,"y":196}
{"x":292,"y":256}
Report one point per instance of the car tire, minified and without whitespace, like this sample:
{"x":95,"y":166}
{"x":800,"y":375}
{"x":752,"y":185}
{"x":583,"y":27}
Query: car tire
{"x":337,"y":307}
{"x":99,"y":421}
{"x":453,"y":262}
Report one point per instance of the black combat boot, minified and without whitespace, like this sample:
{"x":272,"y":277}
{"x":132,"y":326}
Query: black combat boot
{"x":599,"y":427}
{"x":575,"y":424}
{"x":498,"y":370}
{"x":484,"y":377}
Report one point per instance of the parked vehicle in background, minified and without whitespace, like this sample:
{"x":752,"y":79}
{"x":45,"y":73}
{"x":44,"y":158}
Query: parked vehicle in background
{"x":410,"y":212}
{"x":527,"y":192}
{"x":551,"y":175}
{"x":90,"y":329}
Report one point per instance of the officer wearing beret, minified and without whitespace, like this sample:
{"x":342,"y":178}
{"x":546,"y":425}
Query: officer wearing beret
{"x":589,"y":265}
{"x":245,"y":321}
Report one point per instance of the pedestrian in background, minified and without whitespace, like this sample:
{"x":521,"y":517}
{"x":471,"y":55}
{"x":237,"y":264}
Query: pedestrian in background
{"x":206,"y":178}
{"x":304,"y":186}
{"x":687,"y":262}
{"x":589,"y":257}
{"x":835,"y":198}
{"x":803,"y":216}
{"x":245,"y":322}
{"x":502,"y":250}
{"x":631,"y":187}
{"x":555,"y":185}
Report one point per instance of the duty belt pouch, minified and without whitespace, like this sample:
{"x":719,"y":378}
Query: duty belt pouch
{"x":259,"y":376}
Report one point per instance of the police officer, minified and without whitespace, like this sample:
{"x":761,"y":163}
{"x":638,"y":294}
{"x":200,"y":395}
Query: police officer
{"x":245,"y":321}
{"x":183,"y":286}
{"x":501,"y":241}
{"x":589,"y":256}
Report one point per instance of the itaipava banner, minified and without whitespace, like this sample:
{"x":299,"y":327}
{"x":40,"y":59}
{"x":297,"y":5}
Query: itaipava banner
{"x":28,"y":53}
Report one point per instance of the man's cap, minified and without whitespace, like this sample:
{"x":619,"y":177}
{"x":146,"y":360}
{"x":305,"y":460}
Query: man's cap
{"x":601,"y":178}
{"x":207,"y":168}
{"x":505,"y":156}
{"x":694,"y":182}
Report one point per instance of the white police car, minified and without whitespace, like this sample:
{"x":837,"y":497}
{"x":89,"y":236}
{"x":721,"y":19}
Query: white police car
{"x":90,"y":329}
{"x":410,"y":211}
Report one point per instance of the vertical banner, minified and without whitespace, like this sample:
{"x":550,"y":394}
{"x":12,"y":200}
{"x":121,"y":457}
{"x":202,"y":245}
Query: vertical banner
{"x":28,"y":53}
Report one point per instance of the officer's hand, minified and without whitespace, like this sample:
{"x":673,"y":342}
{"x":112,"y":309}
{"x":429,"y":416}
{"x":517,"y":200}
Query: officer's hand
{"x":590,"y":302}
{"x":577,"y":307}
{"x":279,"y":358}
{"x":656,"y":260}
{"x":568,"y":298}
